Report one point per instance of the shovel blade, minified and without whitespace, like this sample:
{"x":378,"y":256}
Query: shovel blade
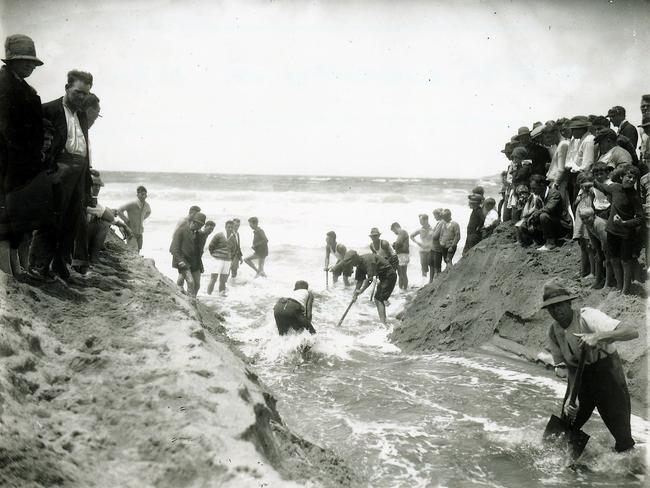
{"x":561,"y":431}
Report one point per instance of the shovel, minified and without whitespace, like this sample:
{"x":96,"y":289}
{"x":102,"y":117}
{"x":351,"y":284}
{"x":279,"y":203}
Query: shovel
{"x":346,"y":312}
{"x":561,"y":429}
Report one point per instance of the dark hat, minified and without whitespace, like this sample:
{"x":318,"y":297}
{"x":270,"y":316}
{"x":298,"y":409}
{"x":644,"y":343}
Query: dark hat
{"x":475,"y":198}
{"x":614,"y":111}
{"x":555,"y":292}
{"x":508,"y":147}
{"x":479,"y":190}
{"x":20,"y":46}
{"x":331,"y":234}
{"x":374,"y":232}
{"x":523,"y":130}
{"x":579,"y":122}
{"x":349,"y":256}
{"x":514,"y":140}
{"x":199,"y":217}
{"x":646,"y":121}
{"x":605,"y":134}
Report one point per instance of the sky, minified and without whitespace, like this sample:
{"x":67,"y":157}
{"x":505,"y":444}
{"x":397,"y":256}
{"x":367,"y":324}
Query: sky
{"x":378,"y":88}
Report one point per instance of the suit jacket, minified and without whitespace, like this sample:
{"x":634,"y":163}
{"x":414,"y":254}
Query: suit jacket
{"x":556,"y":208}
{"x":21,"y":132}
{"x":55,"y":113}
{"x":629,"y":131}
{"x":187,"y":247}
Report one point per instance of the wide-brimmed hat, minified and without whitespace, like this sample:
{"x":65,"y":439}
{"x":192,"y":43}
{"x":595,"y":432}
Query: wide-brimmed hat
{"x":555,"y":292}
{"x":645,"y":122}
{"x":508,"y":147}
{"x":199,"y":217}
{"x":537,"y":131}
{"x":374,"y":232}
{"x":523,"y":131}
{"x":476,"y":198}
{"x":579,"y":122}
{"x":20,"y":46}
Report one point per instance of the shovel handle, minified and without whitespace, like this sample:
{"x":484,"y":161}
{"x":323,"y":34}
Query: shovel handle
{"x":578,"y":380}
{"x":346,"y":312}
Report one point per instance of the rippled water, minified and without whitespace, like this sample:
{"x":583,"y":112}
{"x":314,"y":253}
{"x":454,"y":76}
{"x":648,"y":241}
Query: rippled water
{"x":447,"y":420}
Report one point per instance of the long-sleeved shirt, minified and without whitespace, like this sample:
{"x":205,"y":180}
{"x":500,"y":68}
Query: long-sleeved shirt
{"x":558,"y":162}
{"x":626,"y":204}
{"x":475,"y":223}
{"x":219,"y":248}
{"x":581,"y":153}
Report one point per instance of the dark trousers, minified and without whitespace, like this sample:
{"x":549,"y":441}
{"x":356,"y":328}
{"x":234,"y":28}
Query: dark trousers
{"x":57,"y":243}
{"x":470,"y":241}
{"x":289,"y":315}
{"x":604,"y":387}
{"x":572,"y":188}
{"x":97,"y":231}
{"x":436,"y":261}
{"x":551,"y":226}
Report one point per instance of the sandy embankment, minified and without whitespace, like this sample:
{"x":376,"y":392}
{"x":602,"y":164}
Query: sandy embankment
{"x":115,"y":381}
{"x":492,"y":299}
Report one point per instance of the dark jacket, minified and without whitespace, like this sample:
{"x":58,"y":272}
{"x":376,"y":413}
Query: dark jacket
{"x":556,"y":208}
{"x":628,"y":130}
{"x":541,"y":158}
{"x":54,"y":112}
{"x":21,"y":132}
{"x":187,"y":247}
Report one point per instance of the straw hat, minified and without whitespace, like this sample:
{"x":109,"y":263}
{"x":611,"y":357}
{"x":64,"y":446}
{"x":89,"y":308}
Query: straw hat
{"x":374,"y":232}
{"x":20,"y":46}
{"x":554,"y":292}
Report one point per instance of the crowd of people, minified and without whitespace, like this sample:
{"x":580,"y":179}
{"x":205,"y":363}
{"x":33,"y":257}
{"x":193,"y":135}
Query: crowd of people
{"x":586,"y":179}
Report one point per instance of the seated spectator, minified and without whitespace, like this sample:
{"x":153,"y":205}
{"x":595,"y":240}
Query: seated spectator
{"x":549,"y":223}
{"x":491,"y":217}
{"x":100,"y":219}
{"x":584,"y":200}
{"x":528,"y":230}
{"x":596,"y":229}
{"x":610,"y":152}
{"x":625,"y":217}
{"x":449,"y":238}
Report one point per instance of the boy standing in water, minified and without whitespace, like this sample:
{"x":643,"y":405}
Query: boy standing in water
{"x":401,"y":246}
{"x":136,"y":213}
{"x":219,"y":267}
{"x":425,"y":244}
{"x":234,"y":243}
{"x":338,"y":251}
{"x":260,"y":248}
{"x":294,"y":312}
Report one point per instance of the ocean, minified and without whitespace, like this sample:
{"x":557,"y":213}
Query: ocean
{"x":462,"y":419}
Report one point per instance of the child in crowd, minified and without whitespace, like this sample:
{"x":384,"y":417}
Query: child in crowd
{"x":522,"y":193}
{"x":520,"y":169}
{"x":260,"y":248}
{"x":601,"y":205}
{"x":625,"y":217}
{"x":449,"y":238}
{"x":596,"y":228}
{"x":491,"y":217}
{"x":580,"y":234}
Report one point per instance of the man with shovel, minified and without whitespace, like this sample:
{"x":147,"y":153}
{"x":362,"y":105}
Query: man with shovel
{"x":603,"y":383}
{"x":367,"y":266}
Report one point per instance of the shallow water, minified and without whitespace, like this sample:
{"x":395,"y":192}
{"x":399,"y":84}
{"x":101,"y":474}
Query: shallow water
{"x":446,"y":419}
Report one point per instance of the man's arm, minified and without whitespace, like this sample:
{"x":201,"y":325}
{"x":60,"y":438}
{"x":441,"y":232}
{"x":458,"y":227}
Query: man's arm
{"x":122,"y":215}
{"x":147,"y":212}
{"x":327,"y":257}
{"x":385,"y":245}
{"x":175,"y":248}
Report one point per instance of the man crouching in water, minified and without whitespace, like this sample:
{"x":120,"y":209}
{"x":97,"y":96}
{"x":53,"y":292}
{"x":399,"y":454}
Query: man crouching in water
{"x":367,"y":267}
{"x":294,"y":312}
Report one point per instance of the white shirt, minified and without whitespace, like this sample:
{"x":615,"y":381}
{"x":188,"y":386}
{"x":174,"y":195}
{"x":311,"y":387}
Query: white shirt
{"x":76,"y":141}
{"x":491,"y":217}
{"x":301,"y":297}
{"x":558,"y":163}
{"x":581,"y":153}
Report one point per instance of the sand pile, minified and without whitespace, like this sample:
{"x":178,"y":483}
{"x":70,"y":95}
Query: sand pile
{"x":493,"y":297}
{"x":116,"y":381}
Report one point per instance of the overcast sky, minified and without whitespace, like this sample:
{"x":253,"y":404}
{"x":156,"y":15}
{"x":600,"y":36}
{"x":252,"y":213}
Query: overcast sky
{"x":403,"y":88}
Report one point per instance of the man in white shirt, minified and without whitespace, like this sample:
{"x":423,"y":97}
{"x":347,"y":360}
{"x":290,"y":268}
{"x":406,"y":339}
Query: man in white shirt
{"x":603,"y":379}
{"x":53,"y":247}
{"x":581,"y":153}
